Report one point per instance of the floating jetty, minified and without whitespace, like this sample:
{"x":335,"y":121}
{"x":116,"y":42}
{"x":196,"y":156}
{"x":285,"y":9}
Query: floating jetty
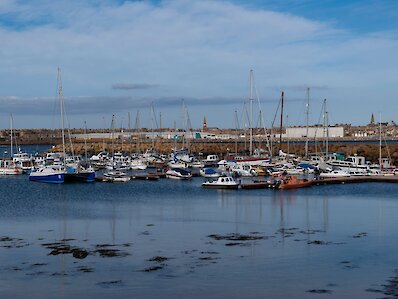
{"x":357,"y":179}
{"x":257,"y":185}
{"x":159,"y":174}
{"x":145,"y":176}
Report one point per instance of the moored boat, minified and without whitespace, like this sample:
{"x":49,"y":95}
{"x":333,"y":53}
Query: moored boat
{"x":223,"y":182}
{"x":48,"y":174}
{"x":334,"y":174}
{"x":292,"y":182}
{"x":178,"y":173}
{"x":8,"y":167}
{"x":209,"y":173}
{"x":115,"y":176}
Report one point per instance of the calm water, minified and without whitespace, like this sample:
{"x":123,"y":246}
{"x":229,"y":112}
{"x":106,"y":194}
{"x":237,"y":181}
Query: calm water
{"x":173,"y":219}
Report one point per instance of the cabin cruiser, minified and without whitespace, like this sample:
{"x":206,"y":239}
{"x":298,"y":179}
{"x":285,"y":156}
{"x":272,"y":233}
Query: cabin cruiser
{"x":48,"y":174}
{"x":336,"y":173}
{"x":178,"y":173}
{"x":245,"y":170}
{"x":138,"y":164}
{"x":24,"y":161}
{"x":9,"y":167}
{"x":211,"y":160}
{"x":209,"y":173}
{"x":223,"y":182}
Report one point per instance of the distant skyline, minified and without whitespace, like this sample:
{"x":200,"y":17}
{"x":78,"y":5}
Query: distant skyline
{"x":119,"y":56}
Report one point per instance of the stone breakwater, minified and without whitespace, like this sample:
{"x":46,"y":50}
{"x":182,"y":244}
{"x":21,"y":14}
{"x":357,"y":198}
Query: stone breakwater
{"x":370,"y":151}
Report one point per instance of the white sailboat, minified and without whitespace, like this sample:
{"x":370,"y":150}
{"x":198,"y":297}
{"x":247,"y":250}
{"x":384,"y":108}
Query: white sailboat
{"x":8,"y":166}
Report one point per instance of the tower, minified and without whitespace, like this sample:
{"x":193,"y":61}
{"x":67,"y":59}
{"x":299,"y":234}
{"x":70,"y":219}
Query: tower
{"x":204,"y":124}
{"x":372,"y":120}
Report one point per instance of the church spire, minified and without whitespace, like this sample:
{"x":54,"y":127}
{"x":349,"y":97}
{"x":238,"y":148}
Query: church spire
{"x":372,"y":120}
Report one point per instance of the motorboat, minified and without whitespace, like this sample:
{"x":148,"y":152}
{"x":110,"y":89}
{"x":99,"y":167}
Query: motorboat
{"x":292,"y":182}
{"x":9,"y":167}
{"x":223,"y":182}
{"x":116,"y":176}
{"x":48,"y":174}
{"x":80,"y":174}
{"x":211,"y":160}
{"x":209,"y":173}
{"x":177,"y":164}
{"x":178,"y":173}
{"x":334,"y":174}
{"x":244,"y":170}
{"x":138,"y":164}
{"x":23,"y":160}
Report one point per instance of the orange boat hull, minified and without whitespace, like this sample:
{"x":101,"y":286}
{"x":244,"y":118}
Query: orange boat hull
{"x":295,"y":185}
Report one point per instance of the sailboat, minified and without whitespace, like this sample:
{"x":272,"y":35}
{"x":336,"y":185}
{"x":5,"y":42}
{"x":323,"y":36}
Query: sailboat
{"x":76,"y":171}
{"x":254,"y":157}
{"x":8,"y":166}
{"x":52,"y":173}
{"x":113,"y":173}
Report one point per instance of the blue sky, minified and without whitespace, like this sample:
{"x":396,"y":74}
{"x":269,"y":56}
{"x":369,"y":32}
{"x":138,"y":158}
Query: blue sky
{"x":120,"y":56}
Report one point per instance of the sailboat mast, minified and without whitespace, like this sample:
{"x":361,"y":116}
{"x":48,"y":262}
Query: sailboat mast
{"x":60,"y":96}
{"x":245,"y":122}
{"x":380,"y":142}
{"x":85,"y":141}
{"x":287,"y":136}
{"x":307,"y":125}
{"x":137,"y":128}
{"x":237,"y":132}
{"x":251,"y":113}
{"x":11,"y":133}
{"x":326,"y":130}
{"x":113,"y":134}
{"x":183,"y":123}
{"x":103,"y":139}
{"x":280,"y":135}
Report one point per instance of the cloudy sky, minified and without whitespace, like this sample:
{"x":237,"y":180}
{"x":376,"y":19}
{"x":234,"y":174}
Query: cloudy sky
{"x":120,"y":56}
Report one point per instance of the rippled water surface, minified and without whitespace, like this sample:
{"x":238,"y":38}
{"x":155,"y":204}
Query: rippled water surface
{"x":174,"y":239}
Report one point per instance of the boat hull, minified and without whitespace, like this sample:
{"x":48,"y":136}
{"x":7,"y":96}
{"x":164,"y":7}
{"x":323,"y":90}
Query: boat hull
{"x":80,"y":177}
{"x":51,"y":178}
{"x":295,"y":185}
{"x":218,"y":186}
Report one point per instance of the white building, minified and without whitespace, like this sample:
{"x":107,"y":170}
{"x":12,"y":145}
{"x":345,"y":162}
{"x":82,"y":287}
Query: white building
{"x":313,"y":132}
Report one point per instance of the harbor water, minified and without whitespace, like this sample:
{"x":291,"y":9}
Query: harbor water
{"x":174,"y":239}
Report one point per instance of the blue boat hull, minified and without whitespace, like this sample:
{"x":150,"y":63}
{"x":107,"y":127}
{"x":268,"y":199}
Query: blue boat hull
{"x":52,"y":178}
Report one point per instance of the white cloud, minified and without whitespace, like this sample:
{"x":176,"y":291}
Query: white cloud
{"x":190,"y":49}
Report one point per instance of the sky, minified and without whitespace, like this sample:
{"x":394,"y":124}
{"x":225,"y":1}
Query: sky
{"x":119,"y":57}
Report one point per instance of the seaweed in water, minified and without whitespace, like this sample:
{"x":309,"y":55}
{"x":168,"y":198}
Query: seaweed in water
{"x":13,"y":242}
{"x":236,"y":244}
{"x":111,"y":253}
{"x":79,"y":253}
{"x":63,"y":248}
{"x":318,"y":242}
{"x":158,"y":259}
{"x":85,"y":269}
{"x":360,"y":235}
{"x":154,"y":268}
{"x":319,"y":291}
{"x":236,"y":237}
{"x":110,"y":283}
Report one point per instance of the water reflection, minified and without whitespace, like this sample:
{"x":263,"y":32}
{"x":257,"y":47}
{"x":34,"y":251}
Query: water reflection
{"x":178,"y":217}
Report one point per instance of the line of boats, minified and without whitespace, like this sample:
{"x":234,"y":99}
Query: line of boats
{"x":60,"y":168}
